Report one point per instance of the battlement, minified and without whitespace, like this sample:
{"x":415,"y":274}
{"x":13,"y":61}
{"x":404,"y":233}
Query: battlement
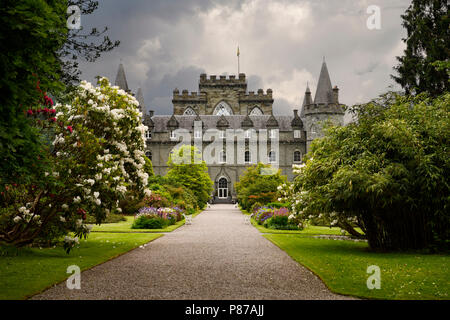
{"x":317,"y":108}
{"x":251,"y":95}
{"x":190,"y":97}
{"x":231,"y":80}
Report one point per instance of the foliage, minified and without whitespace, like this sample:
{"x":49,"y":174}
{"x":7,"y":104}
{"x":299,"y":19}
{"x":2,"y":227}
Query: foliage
{"x":157,"y":218}
{"x":191,"y":174}
{"x":253,"y":186}
{"x":110,"y":218}
{"x":175,"y":193}
{"x":387,"y":173}
{"x":94,"y":153}
{"x":30,"y":31}
{"x":77,"y":46}
{"x":428,"y":41}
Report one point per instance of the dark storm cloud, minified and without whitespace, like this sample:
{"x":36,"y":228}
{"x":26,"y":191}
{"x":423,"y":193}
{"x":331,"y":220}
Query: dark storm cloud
{"x":167,"y":44}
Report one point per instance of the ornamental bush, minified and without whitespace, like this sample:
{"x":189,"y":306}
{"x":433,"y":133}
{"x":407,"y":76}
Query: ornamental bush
{"x":93,"y":155}
{"x":255,"y":187}
{"x":388,"y":173}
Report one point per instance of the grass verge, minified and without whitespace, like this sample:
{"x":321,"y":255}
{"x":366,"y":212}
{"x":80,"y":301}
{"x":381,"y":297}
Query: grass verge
{"x":33,"y":270}
{"x":342,"y":266}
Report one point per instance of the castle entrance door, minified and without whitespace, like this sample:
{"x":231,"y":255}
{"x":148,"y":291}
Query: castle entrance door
{"x":222,"y":190}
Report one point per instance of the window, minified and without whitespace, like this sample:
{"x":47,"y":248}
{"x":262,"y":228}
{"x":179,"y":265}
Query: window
{"x":248,"y":134}
{"x":313,"y":129}
{"x":197,"y":134}
{"x":148,"y":154}
{"x":273,"y":133}
{"x":223,"y":109}
{"x":173,"y":135}
{"x":297,"y":156}
{"x":256,"y":112}
{"x":189,"y":112}
{"x":223,"y":156}
{"x":247,"y":157}
{"x":272,"y":157}
{"x":222,"y":134}
{"x":297,"y":134}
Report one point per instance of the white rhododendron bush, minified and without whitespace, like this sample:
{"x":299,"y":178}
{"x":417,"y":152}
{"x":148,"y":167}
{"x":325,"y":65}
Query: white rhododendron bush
{"x":93,"y":156}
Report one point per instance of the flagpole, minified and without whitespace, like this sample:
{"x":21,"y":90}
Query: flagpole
{"x":238,"y":56}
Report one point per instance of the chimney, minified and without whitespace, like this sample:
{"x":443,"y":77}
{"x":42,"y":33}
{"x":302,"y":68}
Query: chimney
{"x":151,"y":113}
{"x":295,"y":113}
{"x":336,"y":95}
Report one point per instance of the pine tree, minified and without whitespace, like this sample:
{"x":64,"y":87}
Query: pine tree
{"x":428,"y":41}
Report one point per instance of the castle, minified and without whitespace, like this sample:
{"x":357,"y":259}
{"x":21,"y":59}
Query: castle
{"x":224,"y":103}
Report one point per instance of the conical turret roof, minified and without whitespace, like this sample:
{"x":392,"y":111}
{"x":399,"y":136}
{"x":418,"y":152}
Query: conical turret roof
{"x":140,"y":99}
{"x":324,"y":90}
{"x":121,"y":79}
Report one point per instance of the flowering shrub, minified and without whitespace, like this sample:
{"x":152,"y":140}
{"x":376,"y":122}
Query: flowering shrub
{"x":262,"y":214}
{"x":95,"y":153}
{"x":156,"y":218}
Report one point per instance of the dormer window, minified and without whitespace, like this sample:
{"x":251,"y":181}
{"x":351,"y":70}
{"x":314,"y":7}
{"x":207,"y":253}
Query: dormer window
{"x":222,"y":134}
{"x":173,"y":135}
{"x":197,"y":134}
{"x":248,"y":134}
{"x":148,"y":134}
{"x":297,"y":134}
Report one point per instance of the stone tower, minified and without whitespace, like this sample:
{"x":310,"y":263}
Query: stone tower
{"x":324,"y":107}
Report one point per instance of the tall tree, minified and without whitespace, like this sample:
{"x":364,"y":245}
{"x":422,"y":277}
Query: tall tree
{"x":31,"y":31}
{"x":428,"y":41}
{"x":81,"y":45}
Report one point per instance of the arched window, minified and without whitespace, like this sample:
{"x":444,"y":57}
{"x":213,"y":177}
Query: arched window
{"x":247,"y":157}
{"x":223,"y":108}
{"x":189,"y":112}
{"x":148,"y":154}
{"x":256,"y":111}
{"x":297,"y":156}
{"x":272,"y":157}
{"x":313,"y":129}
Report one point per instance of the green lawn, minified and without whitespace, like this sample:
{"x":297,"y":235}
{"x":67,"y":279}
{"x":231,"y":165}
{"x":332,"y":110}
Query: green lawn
{"x":342,"y":265}
{"x":125,"y":226}
{"x":34,"y":270}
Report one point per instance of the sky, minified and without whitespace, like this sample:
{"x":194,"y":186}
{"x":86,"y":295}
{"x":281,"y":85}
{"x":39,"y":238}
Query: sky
{"x":167,"y":44}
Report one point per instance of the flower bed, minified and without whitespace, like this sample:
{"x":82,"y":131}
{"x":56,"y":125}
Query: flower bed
{"x":157,"y":218}
{"x":275,"y":218}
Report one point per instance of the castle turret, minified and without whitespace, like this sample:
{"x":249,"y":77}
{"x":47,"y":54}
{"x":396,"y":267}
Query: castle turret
{"x":325,"y":106}
{"x":121,"y":79}
{"x":140,"y":99}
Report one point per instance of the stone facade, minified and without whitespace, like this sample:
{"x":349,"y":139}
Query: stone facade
{"x":223,"y":103}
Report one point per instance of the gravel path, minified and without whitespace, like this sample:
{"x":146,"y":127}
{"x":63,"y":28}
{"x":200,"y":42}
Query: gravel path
{"x":219,"y":256}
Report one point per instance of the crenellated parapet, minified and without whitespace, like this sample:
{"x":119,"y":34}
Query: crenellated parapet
{"x":186,"y":97}
{"x":222,"y":81}
{"x":259,"y":96}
